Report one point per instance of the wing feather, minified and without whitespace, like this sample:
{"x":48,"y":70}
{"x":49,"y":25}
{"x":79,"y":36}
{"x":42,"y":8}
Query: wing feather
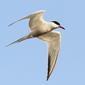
{"x":53,"y":40}
{"x":29,"y":16}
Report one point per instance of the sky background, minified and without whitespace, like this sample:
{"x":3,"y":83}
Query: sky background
{"x":26,"y":63}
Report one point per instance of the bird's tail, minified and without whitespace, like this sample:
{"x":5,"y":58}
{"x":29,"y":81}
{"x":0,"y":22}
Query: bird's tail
{"x":20,"y":40}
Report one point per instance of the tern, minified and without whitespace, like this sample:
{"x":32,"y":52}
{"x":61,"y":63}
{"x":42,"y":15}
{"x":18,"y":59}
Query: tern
{"x":42,"y":29}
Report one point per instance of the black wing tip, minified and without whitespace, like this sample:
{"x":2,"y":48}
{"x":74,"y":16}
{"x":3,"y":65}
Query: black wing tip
{"x":8,"y":45}
{"x":48,"y":75}
{"x":48,"y":78}
{"x":11,"y":24}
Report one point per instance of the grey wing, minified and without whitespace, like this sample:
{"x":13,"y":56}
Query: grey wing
{"x":29,"y":16}
{"x":52,"y":56}
{"x":26,"y":17}
{"x":53,"y":40}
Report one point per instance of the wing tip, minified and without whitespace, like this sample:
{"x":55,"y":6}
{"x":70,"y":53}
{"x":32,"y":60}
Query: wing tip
{"x":10,"y":24}
{"x":48,"y":77}
{"x":9,"y":45}
{"x":40,"y":11}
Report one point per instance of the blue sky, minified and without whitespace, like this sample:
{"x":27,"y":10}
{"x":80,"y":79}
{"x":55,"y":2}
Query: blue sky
{"x":26,"y":63}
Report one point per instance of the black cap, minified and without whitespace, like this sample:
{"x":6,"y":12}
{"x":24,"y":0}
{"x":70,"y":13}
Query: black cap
{"x":56,"y":22}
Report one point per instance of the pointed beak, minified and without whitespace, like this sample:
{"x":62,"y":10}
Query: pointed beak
{"x":61,"y":27}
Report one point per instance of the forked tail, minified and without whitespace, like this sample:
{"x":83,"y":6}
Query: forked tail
{"x":20,"y":40}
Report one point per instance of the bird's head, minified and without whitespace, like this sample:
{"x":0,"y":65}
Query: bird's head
{"x":56,"y":25}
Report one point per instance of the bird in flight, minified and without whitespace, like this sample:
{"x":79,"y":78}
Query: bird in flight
{"x":42,"y":29}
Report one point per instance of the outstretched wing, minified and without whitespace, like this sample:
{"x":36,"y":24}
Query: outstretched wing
{"x":53,"y":40}
{"x":29,"y":16}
